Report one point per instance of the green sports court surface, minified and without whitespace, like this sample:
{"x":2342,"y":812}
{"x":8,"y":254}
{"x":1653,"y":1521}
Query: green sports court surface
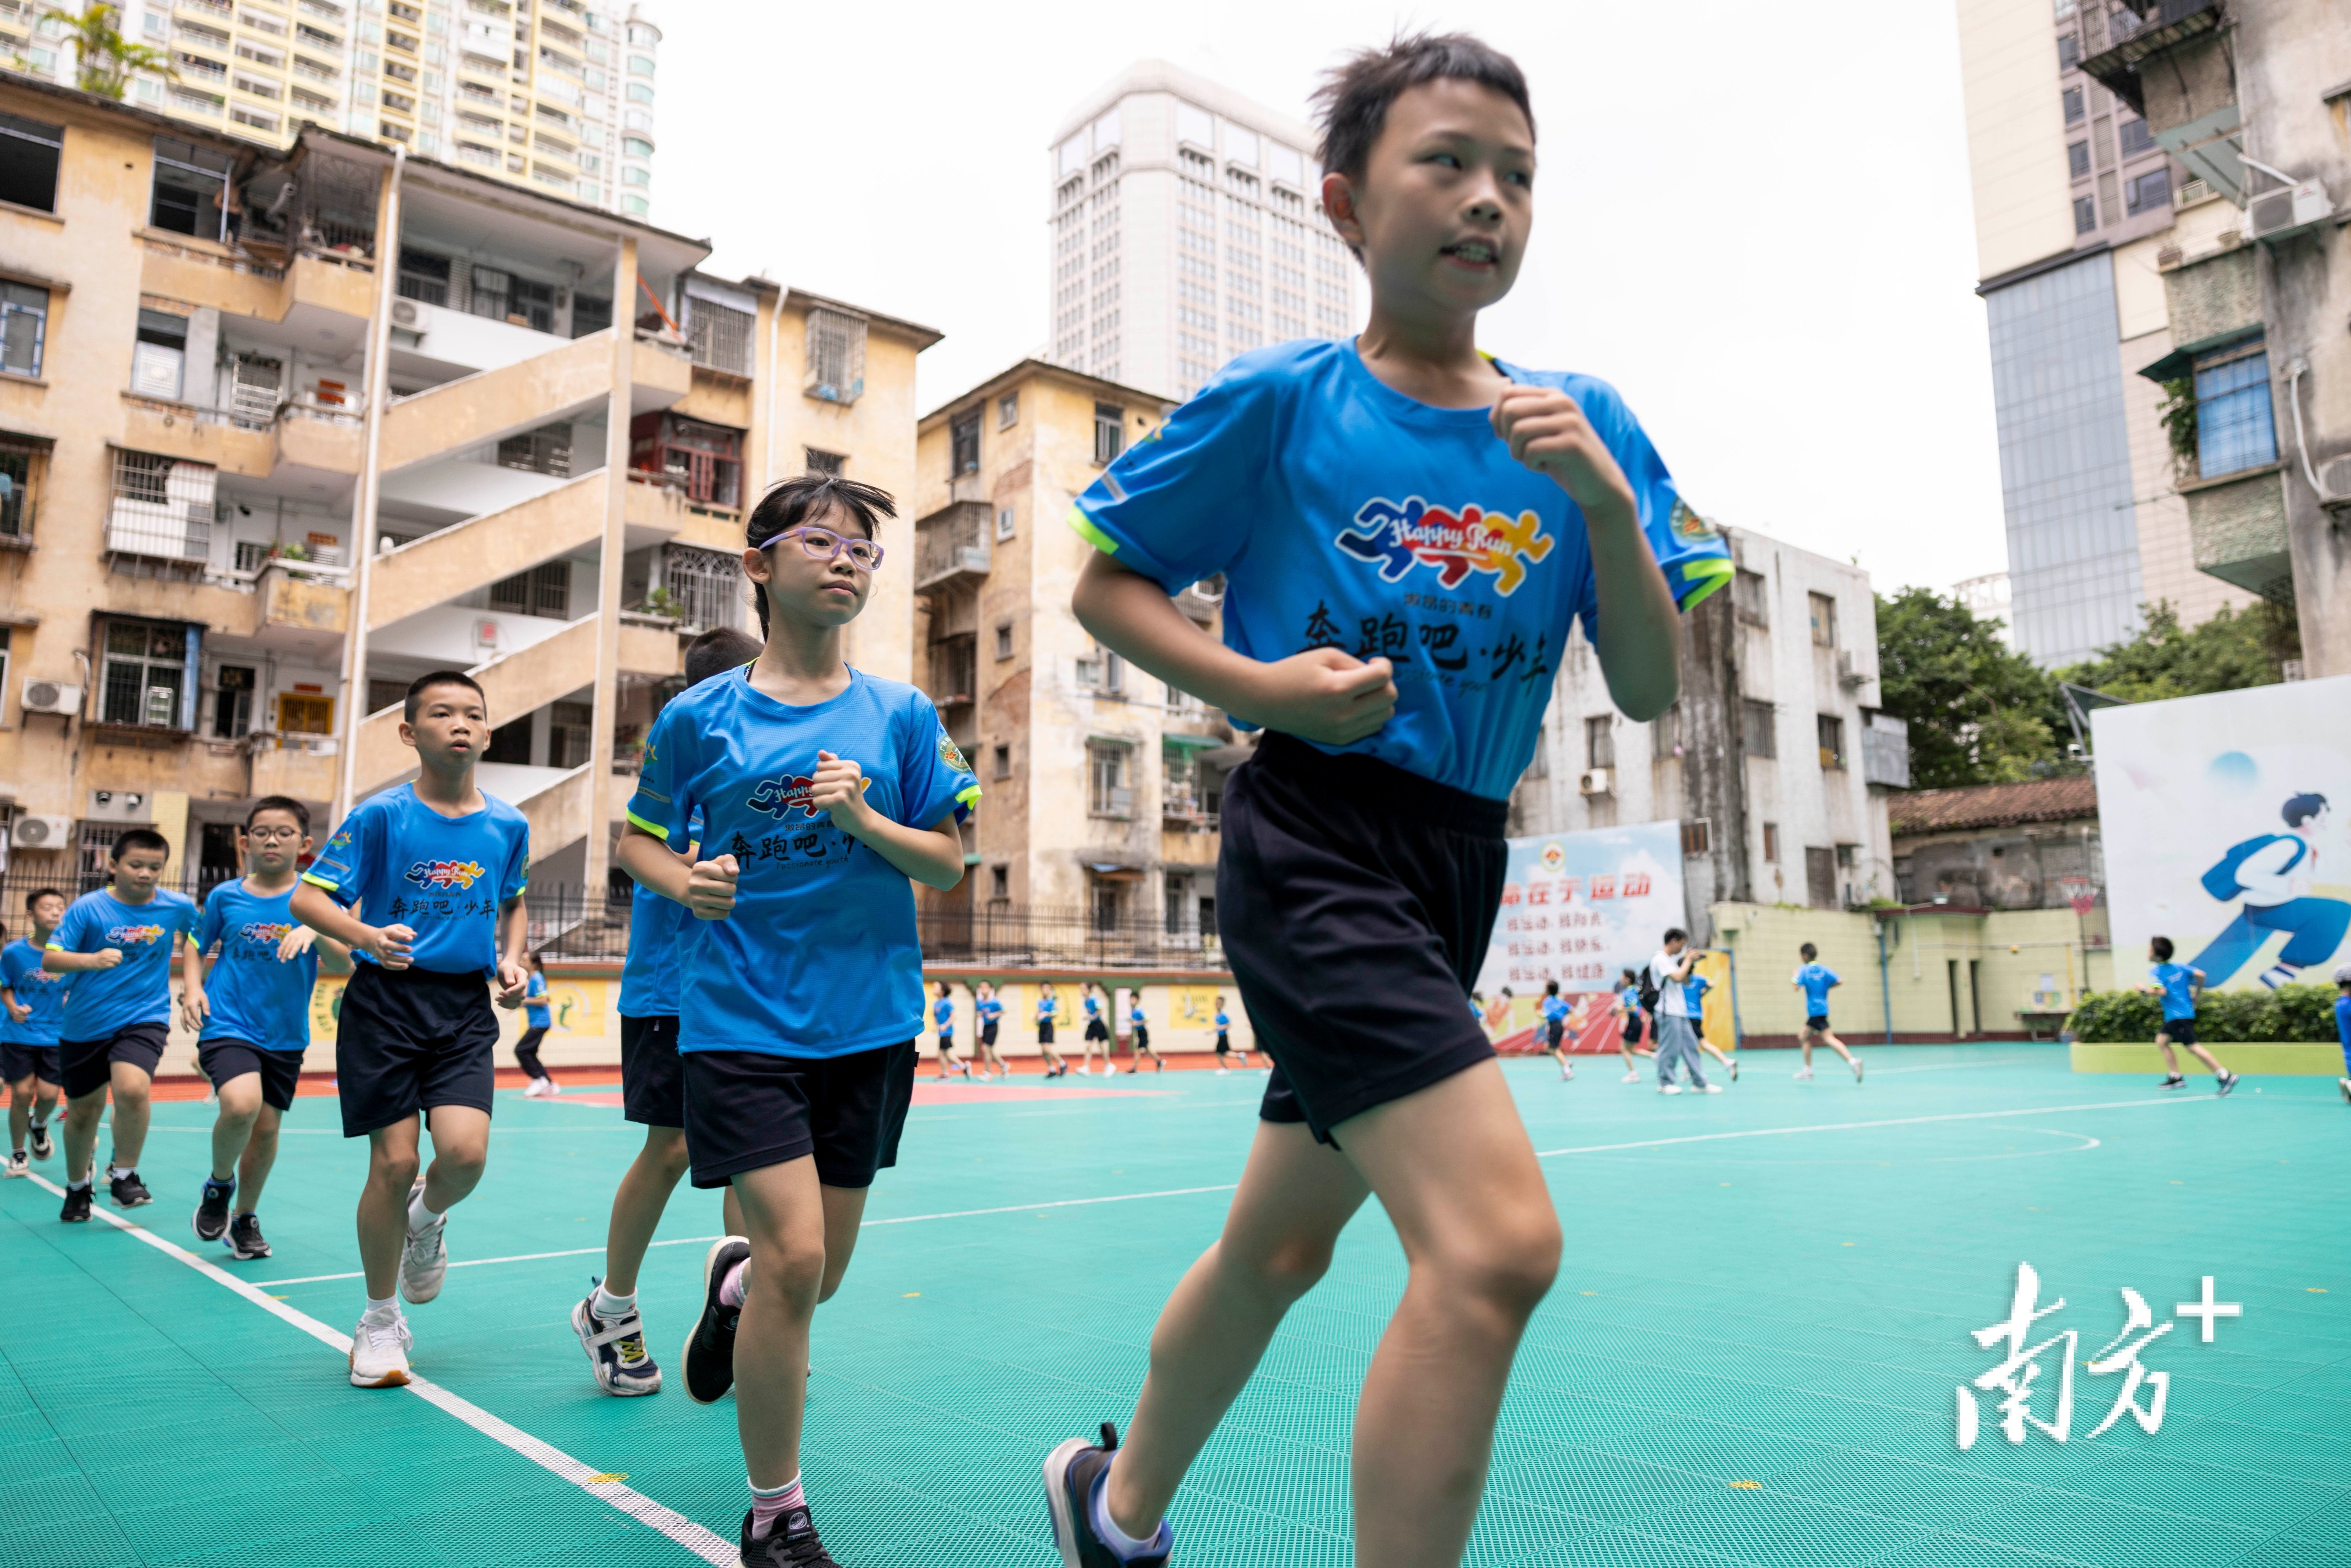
{"x":1751,"y":1356}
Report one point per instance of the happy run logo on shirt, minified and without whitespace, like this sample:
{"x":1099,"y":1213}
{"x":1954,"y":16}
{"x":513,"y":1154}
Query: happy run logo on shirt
{"x":777,"y":795}
{"x":259,"y":933}
{"x":445,"y":874}
{"x":133,"y":935}
{"x":1398,"y":537}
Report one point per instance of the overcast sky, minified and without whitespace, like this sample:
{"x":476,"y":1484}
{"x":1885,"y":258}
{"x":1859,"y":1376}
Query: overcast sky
{"x":1753,"y":219}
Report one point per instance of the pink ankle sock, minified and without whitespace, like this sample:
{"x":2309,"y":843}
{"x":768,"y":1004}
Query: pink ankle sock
{"x":731,"y":1288}
{"x":766,"y":1507}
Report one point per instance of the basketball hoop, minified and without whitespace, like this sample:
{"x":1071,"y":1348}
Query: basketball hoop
{"x":2080,"y":891}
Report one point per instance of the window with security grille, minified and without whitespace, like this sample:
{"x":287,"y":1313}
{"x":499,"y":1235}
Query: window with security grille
{"x":1600,"y":742}
{"x":544,"y":589}
{"x":835,"y":370}
{"x":144,"y":670}
{"x":962,"y":445}
{"x":707,"y":586}
{"x":1108,"y":791}
{"x":1832,"y":736}
{"x":720,"y":336}
{"x":2236,"y":426}
{"x":1755,"y":729}
{"x":1110,"y":432}
{"x":23,"y":327}
{"x":569,"y":731}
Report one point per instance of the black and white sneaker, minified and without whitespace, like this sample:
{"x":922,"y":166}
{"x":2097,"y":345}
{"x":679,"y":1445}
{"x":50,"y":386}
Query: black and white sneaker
{"x":128,"y":1190}
{"x":43,"y":1144}
{"x":616,"y":1350}
{"x":1734,"y":1069}
{"x":2176,"y":1081}
{"x":793,"y":1543}
{"x":76,"y":1207}
{"x":709,"y":1353}
{"x":2345,"y":1084}
{"x":1073,"y":1472}
{"x":19,"y":1165}
{"x":2228,"y":1082}
{"x":244,"y":1238}
{"x":212,"y":1214}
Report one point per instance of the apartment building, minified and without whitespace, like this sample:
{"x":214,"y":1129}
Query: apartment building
{"x":2255,"y":101}
{"x":1775,"y":759}
{"x":557,"y":95}
{"x":407,"y":417}
{"x":2077,"y":195}
{"x":1103,"y":784}
{"x":1186,"y":226}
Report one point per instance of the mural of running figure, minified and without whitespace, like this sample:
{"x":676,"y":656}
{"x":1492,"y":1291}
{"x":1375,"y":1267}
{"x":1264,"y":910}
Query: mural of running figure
{"x":2269,"y":874}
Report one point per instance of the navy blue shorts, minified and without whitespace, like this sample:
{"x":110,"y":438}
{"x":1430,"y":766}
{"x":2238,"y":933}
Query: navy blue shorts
{"x":652,"y":1078}
{"x":1356,"y":901}
{"x":407,"y":1040}
{"x":746,"y":1110}
{"x":19,"y":1063}
{"x":281,"y":1071}
{"x":1818,"y":1023}
{"x":2180,"y":1031}
{"x":87,"y":1066}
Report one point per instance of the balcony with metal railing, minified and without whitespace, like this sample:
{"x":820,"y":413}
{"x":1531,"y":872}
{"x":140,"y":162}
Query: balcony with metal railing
{"x":951,"y":545}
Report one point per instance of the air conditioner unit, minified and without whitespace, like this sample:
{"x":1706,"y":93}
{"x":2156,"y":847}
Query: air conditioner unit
{"x":52,"y":697}
{"x":1596,"y":780}
{"x":1847,"y":676}
{"x":404,"y":312}
{"x":41,"y":832}
{"x":2333,"y":483}
{"x":2276,"y":213}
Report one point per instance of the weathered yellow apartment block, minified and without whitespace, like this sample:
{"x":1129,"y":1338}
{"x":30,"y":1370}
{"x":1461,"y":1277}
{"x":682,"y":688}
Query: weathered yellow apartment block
{"x":402,"y":417}
{"x":1103,"y":784}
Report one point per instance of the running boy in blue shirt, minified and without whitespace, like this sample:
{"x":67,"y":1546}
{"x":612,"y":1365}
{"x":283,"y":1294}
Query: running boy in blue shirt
{"x":1815,"y":979}
{"x":538,"y":1017}
{"x":1049,"y":1014}
{"x":1225,"y":1039}
{"x":653,"y":1091}
{"x":1139,"y":1038}
{"x":988,"y":1013}
{"x":2342,"y":1024}
{"x":1097,"y":1033}
{"x":437,"y":869}
{"x":824,"y":794}
{"x":942,"y":1019}
{"x":254,"y":1016}
{"x":1408,"y":528}
{"x":1554,"y":1013}
{"x":2179,"y":985}
{"x":117,"y":944}
{"x":1625,"y":1008}
{"x":35,"y":1003}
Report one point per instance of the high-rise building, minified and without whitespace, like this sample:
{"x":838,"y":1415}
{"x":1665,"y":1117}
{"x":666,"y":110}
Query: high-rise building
{"x":1186,"y":226}
{"x":2076,"y":198}
{"x":554,"y":94}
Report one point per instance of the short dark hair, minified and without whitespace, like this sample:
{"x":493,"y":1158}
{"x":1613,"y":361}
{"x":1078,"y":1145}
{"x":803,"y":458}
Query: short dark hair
{"x":1676,"y":934}
{"x":788,"y":503}
{"x":1808,"y":952}
{"x":138,"y":839}
{"x":39,"y":894}
{"x":1352,"y":104}
{"x":425,"y":683}
{"x":2162,"y":949}
{"x":1629,"y":978}
{"x":2302,"y":808}
{"x":1550,"y":987}
{"x":285,"y":803}
{"x":717,"y":651}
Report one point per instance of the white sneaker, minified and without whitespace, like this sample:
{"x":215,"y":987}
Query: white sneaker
{"x":2341,"y":1084}
{"x":19,"y":1164}
{"x":553,"y":1088}
{"x":535,"y":1090}
{"x":1856,"y":1069}
{"x":380,"y":1354}
{"x":1086,"y":1068}
{"x":1221,"y":1073}
{"x":425,"y":1259}
{"x":1669,"y":1088}
{"x":1804,"y":1074}
{"x":1630,"y":1078}
{"x":984,"y":1078}
{"x":1706,"y":1088}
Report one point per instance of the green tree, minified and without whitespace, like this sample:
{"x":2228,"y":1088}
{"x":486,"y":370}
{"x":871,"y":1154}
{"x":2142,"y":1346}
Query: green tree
{"x":2231,"y":651}
{"x":1979,"y":712}
{"x":104,"y":57}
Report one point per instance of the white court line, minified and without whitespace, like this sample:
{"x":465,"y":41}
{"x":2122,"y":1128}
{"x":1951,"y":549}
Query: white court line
{"x":478,"y":1262}
{"x":1849,"y":1126}
{"x":1056,"y":1203}
{"x":702,"y":1542}
{"x":1953,"y":1066}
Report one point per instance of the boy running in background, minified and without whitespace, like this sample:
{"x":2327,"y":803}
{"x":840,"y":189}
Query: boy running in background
{"x":943,"y":1015}
{"x":254,"y":1017}
{"x":1225,"y":1039}
{"x":1097,"y":1033}
{"x":1140,"y":1037}
{"x":437,"y":869}
{"x":1815,"y":979}
{"x":1670,"y":971}
{"x":1625,"y":1006}
{"x":2179,"y":986}
{"x":1407,"y":530}
{"x":2342,"y":1024}
{"x":1554,"y":1013}
{"x":117,"y":944}
{"x":1048,"y":1013}
{"x":538,"y":1017}
{"x":35,"y":1003}
{"x":988,"y":1013}
{"x":652,"y":1093}
{"x":826,"y":792}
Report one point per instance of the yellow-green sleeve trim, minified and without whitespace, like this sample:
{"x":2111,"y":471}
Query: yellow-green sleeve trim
{"x":1704,"y":577}
{"x":56,"y":947}
{"x":1090,"y":532}
{"x":968,"y":795}
{"x":315,"y":880}
{"x":656,"y":828}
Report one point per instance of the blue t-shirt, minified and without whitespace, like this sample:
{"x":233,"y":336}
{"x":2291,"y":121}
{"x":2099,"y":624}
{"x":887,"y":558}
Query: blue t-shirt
{"x":139,"y":988}
{"x":819,"y":956}
{"x":255,"y":998}
{"x":1694,"y":990}
{"x":660,"y":931}
{"x":943,"y":1010}
{"x":2342,"y":1025}
{"x":1817,"y":979}
{"x":1048,"y":1008}
{"x":988,"y":1010}
{"x":2177,"y":1000}
{"x":1135,"y":1016}
{"x":1555,"y":1009}
{"x":1093,"y":1007}
{"x":405,"y":864}
{"x":1630,"y":997}
{"x":34,"y":988}
{"x":535,"y":1013}
{"x":1344,"y":514}
{"x":1224,"y":1023}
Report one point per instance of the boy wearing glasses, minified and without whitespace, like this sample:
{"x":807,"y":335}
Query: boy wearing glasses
{"x":254,"y":1016}
{"x":823,"y":790}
